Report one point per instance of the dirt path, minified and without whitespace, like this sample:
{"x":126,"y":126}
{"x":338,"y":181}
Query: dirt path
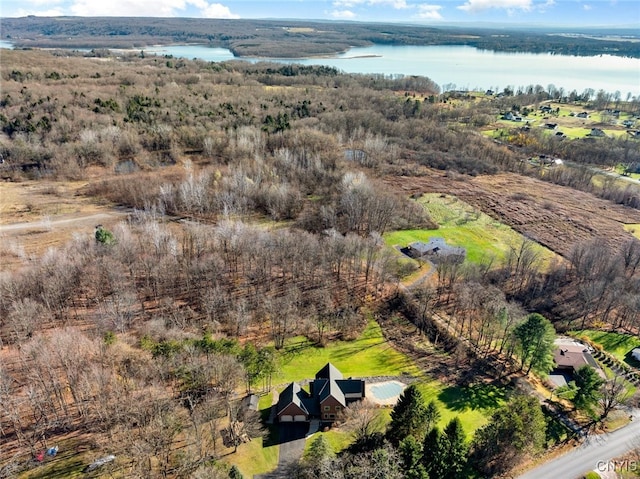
{"x":48,"y":224}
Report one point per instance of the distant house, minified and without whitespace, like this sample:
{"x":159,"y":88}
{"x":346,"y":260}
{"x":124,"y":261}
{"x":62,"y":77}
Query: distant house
{"x":583,"y":114}
{"x":559,"y":133}
{"x":546,"y":109}
{"x":569,"y":356}
{"x":551,"y":126}
{"x":511,"y":116}
{"x":596,"y":132}
{"x":328,"y":394}
{"x":434,"y":249}
{"x":625,"y":123}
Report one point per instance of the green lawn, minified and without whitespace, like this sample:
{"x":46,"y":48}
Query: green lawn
{"x":462,"y":225}
{"x":473,"y":405}
{"x":252,"y":458}
{"x":369,"y":355}
{"x":620,"y":170}
{"x":634,"y":229}
{"x":617,"y":344}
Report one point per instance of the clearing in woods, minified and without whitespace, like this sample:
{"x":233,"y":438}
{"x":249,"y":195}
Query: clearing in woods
{"x":555,"y":216}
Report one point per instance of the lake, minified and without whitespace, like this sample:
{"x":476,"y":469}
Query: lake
{"x":459,"y":67}
{"x":463,"y":67}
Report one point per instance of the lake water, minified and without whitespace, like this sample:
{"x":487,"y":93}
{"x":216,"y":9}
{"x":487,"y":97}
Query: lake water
{"x":463,"y":67}
{"x":460,"y":67}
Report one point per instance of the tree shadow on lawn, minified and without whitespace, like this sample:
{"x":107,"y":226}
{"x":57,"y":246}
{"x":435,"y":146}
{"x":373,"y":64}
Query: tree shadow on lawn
{"x":476,"y":396}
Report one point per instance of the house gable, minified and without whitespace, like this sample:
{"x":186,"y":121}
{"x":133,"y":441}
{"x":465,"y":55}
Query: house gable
{"x":329,"y":395}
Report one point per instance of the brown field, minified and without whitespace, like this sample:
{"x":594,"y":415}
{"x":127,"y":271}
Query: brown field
{"x":36,"y":215}
{"x":555,"y":216}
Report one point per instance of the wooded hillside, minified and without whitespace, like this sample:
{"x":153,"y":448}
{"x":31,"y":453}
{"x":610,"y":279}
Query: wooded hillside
{"x":257,"y":197}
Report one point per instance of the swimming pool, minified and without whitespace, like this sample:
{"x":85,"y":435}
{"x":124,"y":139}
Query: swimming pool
{"x":387,"y":390}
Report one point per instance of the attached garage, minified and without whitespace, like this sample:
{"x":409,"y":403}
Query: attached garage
{"x":299,"y":418}
{"x":286,"y":418}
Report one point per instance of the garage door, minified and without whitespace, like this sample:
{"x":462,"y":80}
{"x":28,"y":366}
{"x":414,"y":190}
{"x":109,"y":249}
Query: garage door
{"x":299,"y":418}
{"x":286,"y":418}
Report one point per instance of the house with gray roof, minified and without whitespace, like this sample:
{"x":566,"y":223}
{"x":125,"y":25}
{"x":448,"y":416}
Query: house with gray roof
{"x":569,"y":356}
{"x":436,"y":248}
{"x":329,"y":393}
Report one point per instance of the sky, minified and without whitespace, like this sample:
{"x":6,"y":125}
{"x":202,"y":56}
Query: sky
{"x":540,"y":12}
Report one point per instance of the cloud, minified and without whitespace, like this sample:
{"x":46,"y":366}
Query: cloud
{"x":474,"y":6}
{"x":43,"y":2}
{"x":52,"y":12}
{"x":429,"y":12}
{"x":586,"y":7}
{"x":342,"y":14}
{"x":397,"y":4}
{"x":217,"y":10}
{"x":149,"y":8}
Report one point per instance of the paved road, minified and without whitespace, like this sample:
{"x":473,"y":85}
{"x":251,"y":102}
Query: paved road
{"x":597,"y":449}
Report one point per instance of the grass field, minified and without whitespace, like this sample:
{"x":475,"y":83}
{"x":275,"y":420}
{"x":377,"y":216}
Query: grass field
{"x":254,"y":458}
{"x":368,"y":355}
{"x":462,"y":225}
{"x":473,"y":405}
{"x":634,"y":229}
{"x":372,"y":355}
{"x":617,"y":344}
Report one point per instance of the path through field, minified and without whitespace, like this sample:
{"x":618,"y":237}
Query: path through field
{"x":48,"y":224}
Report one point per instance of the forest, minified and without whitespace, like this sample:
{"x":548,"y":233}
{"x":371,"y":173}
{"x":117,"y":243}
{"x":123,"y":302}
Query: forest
{"x":258,"y":200}
{"x":296,"y":39}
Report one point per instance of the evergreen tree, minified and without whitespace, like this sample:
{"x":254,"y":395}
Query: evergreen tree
{"x":409,"y":416}
{"x":455,"y":449}
{"x":234,"y":473}
{"x":411,"y":457}
{"x":434,"y":452}
{"x":516,"y":429}
{"x":536,"y":338}
{"x":588,"y":384}
{"x":104,"y":236}
{"x":432,"y":415}
{"x":318,"y":459}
